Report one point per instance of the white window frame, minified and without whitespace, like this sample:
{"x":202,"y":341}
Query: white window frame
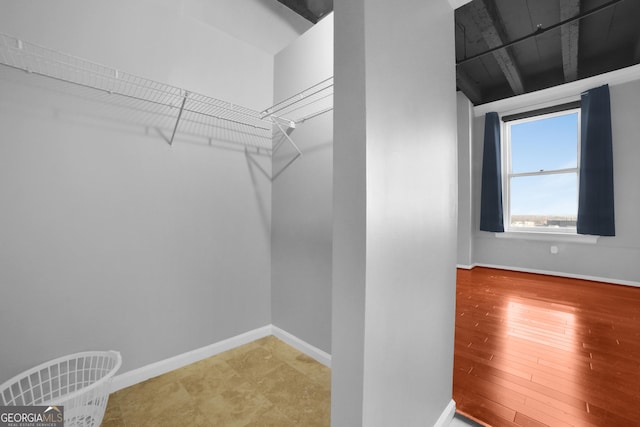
{"x":507,"y":175}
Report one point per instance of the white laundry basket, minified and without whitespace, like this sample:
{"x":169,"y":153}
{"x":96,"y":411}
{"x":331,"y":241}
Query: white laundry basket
{"x":78,"y":382}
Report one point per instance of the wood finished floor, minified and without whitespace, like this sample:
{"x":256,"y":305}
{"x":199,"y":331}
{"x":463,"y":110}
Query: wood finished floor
{"x":265,"y":383}
{"x":534,"y":350}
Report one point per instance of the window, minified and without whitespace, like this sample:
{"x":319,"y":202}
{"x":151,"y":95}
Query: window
{"x":541,"y":171}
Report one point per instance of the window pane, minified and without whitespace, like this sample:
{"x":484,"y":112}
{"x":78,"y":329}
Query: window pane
{"x":545,"y":144}
{"x":546,"y":201}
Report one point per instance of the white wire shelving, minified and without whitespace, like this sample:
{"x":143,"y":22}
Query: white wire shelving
{"x":305,"y":105}
{"x":159,"y":97}
{"x":187,"y":111}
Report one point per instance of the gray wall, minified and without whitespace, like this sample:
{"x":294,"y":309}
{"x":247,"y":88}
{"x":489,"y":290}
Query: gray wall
{"x":302,"y":216}
{"x":109,"y":237}
{"x":611,"y":258}
{"x":395,"y":197}
{"x":349,"y":221}
{"x":465,"y":181}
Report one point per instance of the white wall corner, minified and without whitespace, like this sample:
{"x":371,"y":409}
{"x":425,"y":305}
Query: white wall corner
{"x":447,"y":415}
{"x":465,"y":266}
{"x":304,"y":347}
{"x":160,"y":367}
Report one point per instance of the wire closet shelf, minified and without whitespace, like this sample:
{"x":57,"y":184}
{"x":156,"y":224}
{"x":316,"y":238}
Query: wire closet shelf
{"x":305,"y":105}
{"x":46,"y":62}
{"x":180,"y":105}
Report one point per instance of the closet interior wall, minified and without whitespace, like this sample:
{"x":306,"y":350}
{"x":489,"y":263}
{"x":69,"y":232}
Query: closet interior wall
{"x":112,"y":238}
{"x":302,"y":195}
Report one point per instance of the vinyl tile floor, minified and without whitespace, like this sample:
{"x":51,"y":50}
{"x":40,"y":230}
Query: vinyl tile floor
{"x":263,"y":383}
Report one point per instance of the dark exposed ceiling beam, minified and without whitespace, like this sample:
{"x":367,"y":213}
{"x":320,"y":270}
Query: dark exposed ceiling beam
{"x":467,"y":86}
{"x":540,"y":30}
{"x":569,"y":34}
{"x":484,"y":14}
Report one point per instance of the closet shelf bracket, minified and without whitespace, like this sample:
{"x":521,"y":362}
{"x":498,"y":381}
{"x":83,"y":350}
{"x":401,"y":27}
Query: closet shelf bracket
{"x":175,"y":128}
{"x":305,"y":105}
{"x":285,"y":134}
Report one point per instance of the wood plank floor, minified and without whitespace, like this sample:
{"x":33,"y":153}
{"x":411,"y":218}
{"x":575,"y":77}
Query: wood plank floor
{"x":534,"y":350}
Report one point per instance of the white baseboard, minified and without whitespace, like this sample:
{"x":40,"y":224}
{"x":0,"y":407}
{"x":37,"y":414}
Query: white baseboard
{"x":560,"y":274}
{"x":551,"y":273}
{"x":304,"y":347}
{"x":447,"y":415}
{"x":160,"y":367}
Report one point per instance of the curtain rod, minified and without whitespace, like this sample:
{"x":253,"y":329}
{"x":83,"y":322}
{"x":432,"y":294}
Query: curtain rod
{"x":541,"y":111}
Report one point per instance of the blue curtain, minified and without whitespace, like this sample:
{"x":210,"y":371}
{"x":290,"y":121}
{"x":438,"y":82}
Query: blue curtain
{"x":595,"y":199}
{"x":491,"y":216}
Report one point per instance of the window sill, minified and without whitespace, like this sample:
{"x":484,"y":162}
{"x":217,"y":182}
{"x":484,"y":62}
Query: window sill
{"x":549,"y":237}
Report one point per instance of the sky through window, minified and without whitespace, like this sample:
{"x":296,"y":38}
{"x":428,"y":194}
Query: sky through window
{"x":543,"y":145}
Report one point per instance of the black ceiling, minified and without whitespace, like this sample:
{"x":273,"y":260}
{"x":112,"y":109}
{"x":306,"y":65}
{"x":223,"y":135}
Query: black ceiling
{"x":598,"y":36}
{"x":312,"y":10}
{"x":548,"y":42}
